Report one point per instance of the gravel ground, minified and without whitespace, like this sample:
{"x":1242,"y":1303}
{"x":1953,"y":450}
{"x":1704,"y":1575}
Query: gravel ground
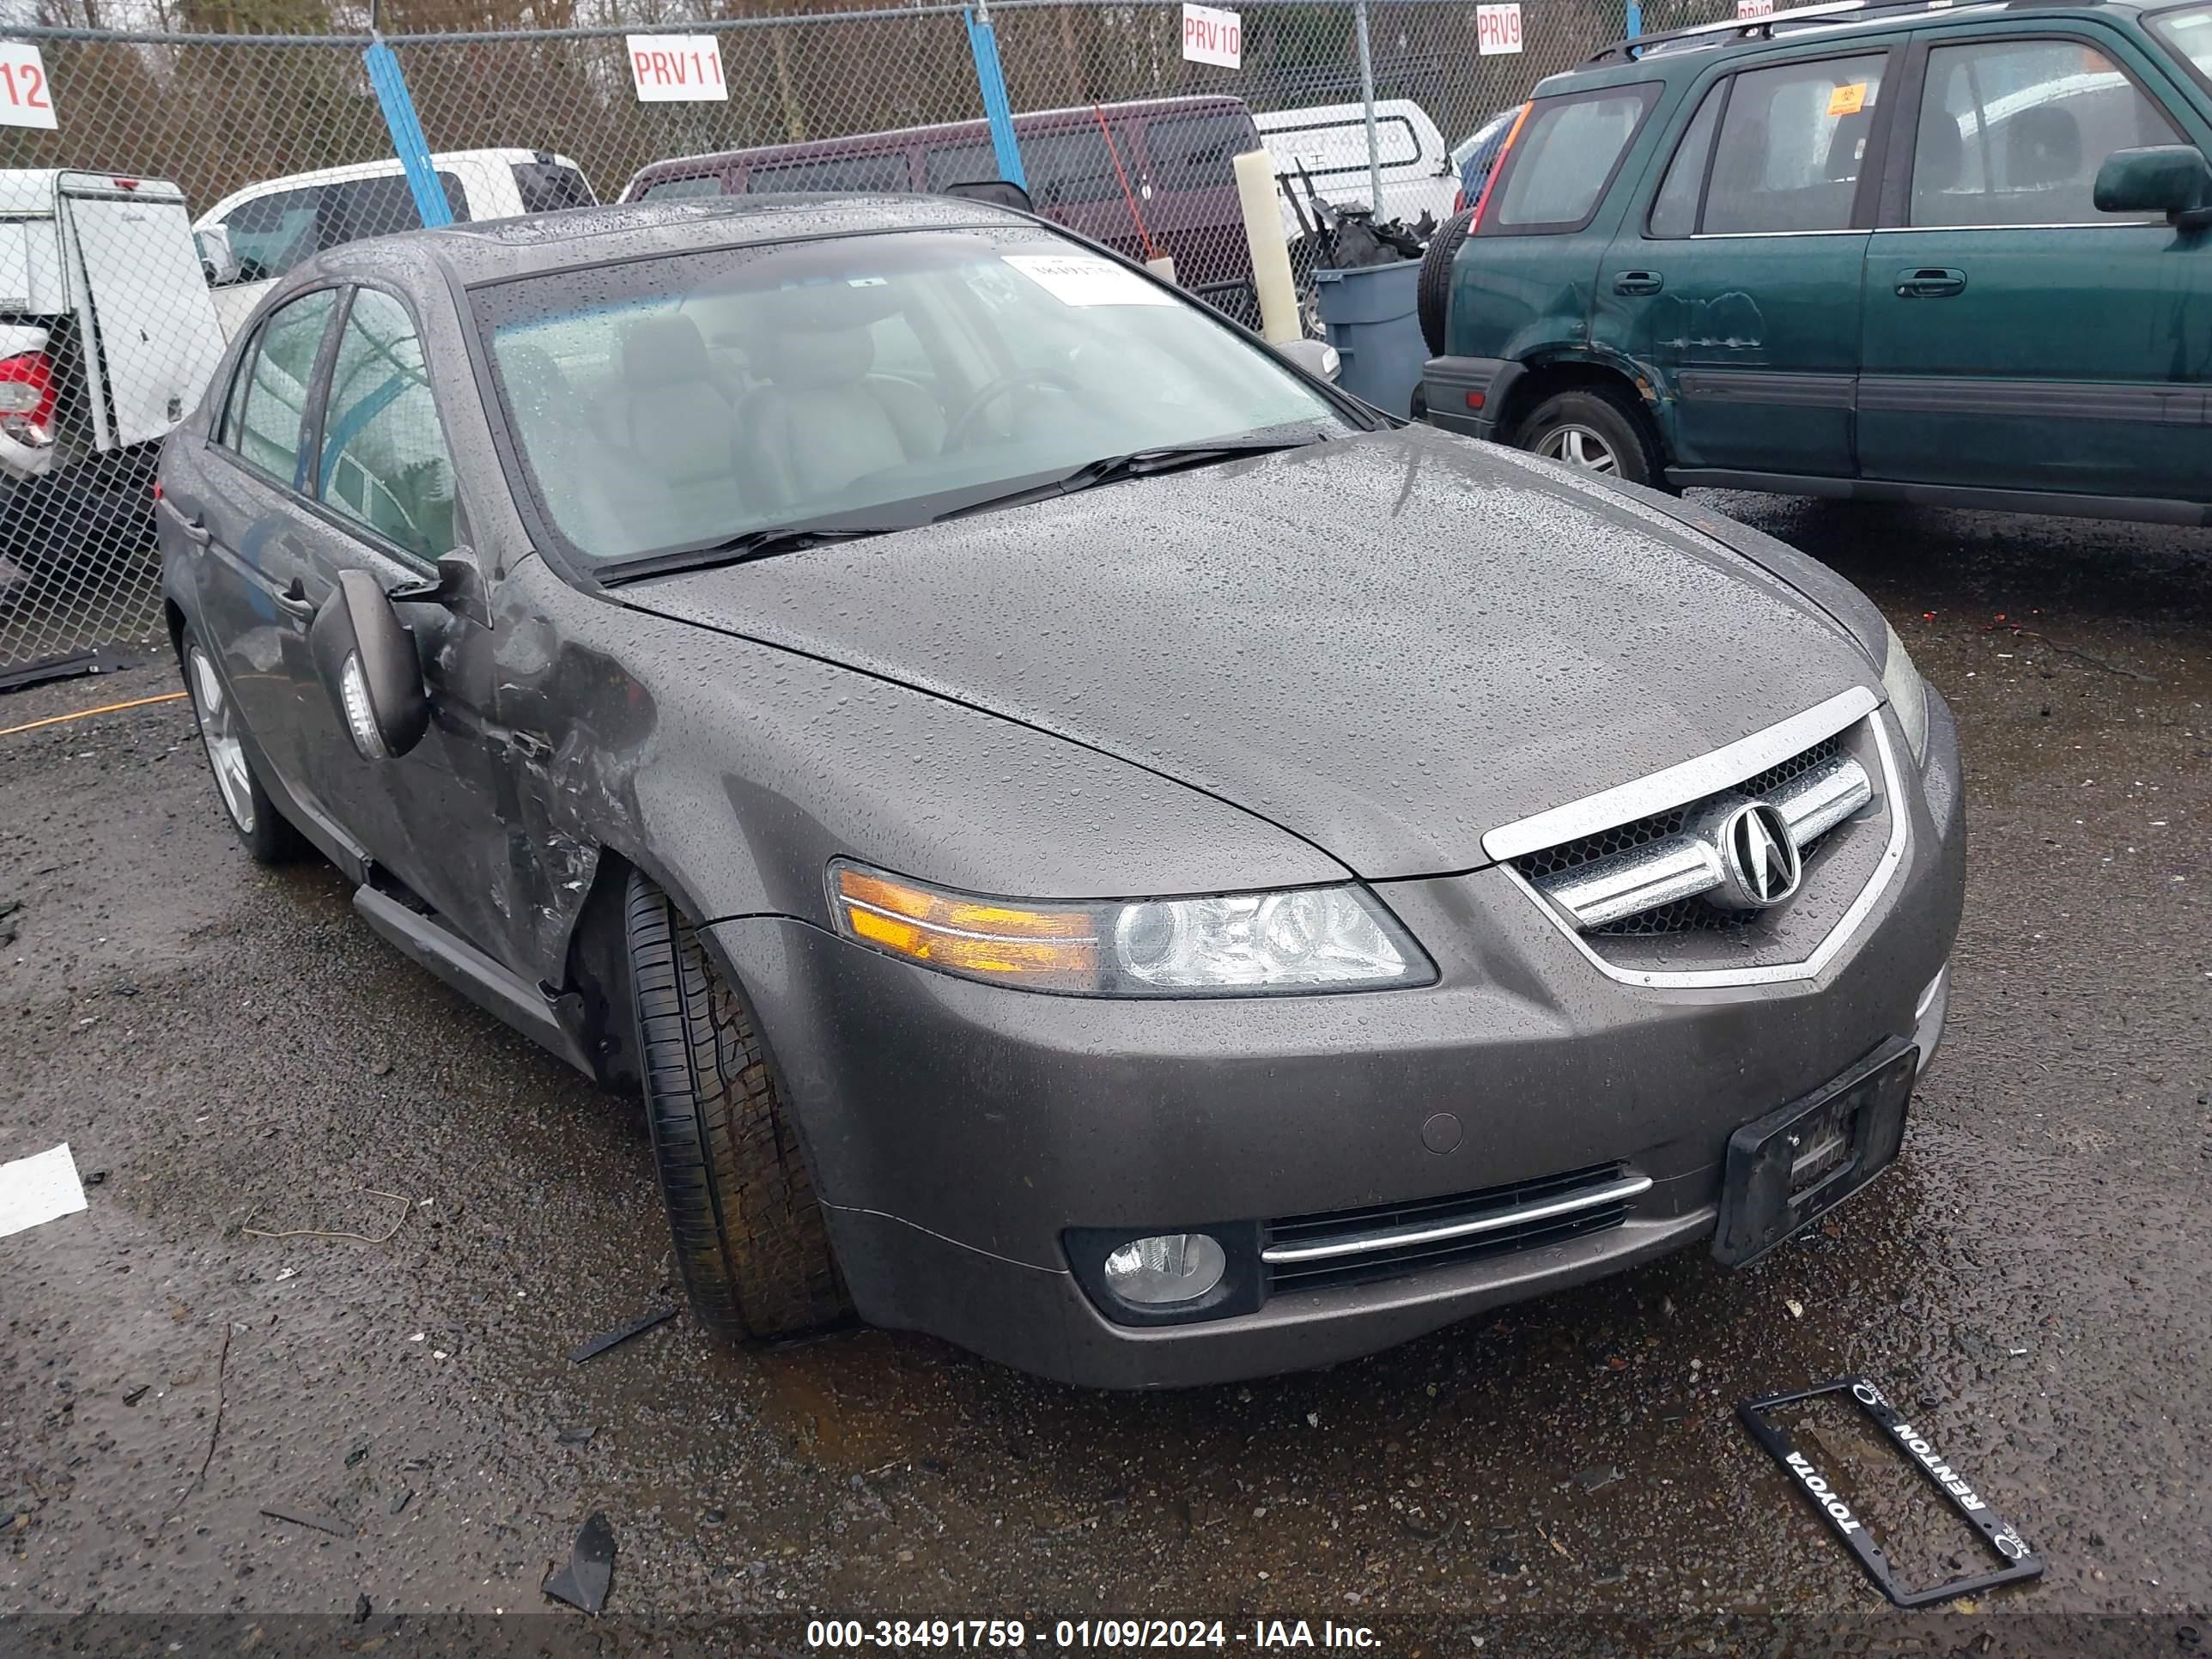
{"x":231,"y":1055}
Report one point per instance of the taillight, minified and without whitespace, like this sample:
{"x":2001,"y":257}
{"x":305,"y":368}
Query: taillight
{"x":1497,"y":165}
{"x":1459,"y":200}
{"x":26,"y":398}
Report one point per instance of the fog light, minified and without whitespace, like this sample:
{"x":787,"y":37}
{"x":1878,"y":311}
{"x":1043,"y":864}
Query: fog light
{"x":1166,"y":1268}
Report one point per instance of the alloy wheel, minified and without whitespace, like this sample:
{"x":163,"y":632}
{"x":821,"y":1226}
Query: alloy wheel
{"x":1579,"y":445}
{"x":218,"y":731}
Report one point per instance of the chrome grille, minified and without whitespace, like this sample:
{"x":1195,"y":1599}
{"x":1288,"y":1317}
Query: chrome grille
{"x":1383,"y":1241}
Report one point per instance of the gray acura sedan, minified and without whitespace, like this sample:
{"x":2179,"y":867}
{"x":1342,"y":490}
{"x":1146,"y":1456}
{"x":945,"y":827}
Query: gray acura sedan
{"x":1085,"y":840}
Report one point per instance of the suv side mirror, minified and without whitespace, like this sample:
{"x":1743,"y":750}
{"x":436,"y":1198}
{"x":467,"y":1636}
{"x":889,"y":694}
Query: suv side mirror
{"x":2174,"y":180}
{"x":367,"y":662}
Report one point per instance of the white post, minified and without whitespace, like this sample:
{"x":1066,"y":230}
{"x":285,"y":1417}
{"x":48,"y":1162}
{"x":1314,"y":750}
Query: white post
{"x":1367,"y":96}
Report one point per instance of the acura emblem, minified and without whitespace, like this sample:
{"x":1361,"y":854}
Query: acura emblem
{"x":1759,"y":865}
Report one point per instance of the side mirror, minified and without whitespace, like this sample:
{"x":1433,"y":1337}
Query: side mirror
{"x":1317,"y":357}
{"x":2174,"y":180}
{"x":368,"y":664}
{"x":218,"y":264}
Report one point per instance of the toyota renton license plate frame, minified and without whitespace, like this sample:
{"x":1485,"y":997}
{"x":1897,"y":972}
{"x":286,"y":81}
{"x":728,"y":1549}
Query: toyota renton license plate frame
{"x":2019,"y":1561}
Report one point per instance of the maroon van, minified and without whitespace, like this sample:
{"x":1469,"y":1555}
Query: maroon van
{"x":1173,"y":192}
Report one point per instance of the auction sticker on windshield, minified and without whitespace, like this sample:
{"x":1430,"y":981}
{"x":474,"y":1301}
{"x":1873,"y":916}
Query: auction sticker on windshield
{"x":1077,"y":280}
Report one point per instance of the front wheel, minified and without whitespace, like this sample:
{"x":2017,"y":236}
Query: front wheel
{"x":1595,"y":429}
{"x":751,"y":1240}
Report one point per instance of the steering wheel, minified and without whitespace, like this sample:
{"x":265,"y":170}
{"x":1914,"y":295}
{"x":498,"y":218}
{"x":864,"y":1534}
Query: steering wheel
{"x":956,"y":435}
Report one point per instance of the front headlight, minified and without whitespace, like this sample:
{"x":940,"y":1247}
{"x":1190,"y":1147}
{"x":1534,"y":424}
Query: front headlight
{"x":1309,"y":939}
{"x":1908,"y":693}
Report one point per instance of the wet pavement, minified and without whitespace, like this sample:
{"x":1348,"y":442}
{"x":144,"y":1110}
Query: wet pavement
{"x":233,"y":1055}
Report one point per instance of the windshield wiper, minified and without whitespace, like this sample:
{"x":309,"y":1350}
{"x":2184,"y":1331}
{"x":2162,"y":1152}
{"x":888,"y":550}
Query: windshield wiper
{"x":1137,"y":463}
{"x":762,"y":543}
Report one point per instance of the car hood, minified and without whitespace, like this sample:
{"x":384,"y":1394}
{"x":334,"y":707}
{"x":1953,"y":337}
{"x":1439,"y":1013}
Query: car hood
{"x":1386,"y":644}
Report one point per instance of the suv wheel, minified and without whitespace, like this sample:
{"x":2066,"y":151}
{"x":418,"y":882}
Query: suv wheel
{"x":751,"y":1240}
{"x":268,"y":834}
{"x":1596,"y":430}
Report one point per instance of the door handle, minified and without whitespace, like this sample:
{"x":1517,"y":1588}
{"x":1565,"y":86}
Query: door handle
{"x":1929,"y":282}
{"x":194,"y":530}
{"x":294,"y":599}
{"x":1638,"y":281}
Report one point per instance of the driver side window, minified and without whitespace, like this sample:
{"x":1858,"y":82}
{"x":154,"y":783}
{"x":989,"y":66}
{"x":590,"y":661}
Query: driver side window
{"x":385,"y":462}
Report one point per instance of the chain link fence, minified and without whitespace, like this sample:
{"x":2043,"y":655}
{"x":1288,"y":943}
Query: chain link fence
{"x":201,"y":114}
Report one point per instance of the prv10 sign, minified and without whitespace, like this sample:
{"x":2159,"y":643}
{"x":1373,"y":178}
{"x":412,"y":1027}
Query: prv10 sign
{"x":1212,"y":36}
{"x":1753,"y":9}
{"x":27,"y":97}
{"x":1496,"y":29}
{"x":678,"y":69}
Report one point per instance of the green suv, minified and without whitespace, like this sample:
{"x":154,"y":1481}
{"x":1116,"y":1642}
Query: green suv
{"x":1895,"y":252}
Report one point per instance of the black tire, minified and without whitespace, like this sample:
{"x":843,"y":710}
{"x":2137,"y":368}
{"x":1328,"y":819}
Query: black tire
{"x":751,"y":1240}
{"x":265,"y":832}
{"x":1599,"y":413}
{"x":1433,"y":297}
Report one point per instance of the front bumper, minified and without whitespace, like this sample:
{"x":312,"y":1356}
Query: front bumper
{"x":957,"y":1130}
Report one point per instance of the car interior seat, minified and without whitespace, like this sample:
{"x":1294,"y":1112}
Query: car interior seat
{"x":1939,"y":166}
{"x":670,"y":422}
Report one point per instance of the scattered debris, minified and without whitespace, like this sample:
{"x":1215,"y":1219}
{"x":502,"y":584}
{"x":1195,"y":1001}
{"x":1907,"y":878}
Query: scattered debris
{"x":318,"y":1232}
{"x":1796,"y":1308}
{"x":1597,"y":1476}
{"x":622,"y":1334}
{"x":39,"y":1188}
{"x":308,"y":1521}
{"x":95,"y":1177}
{"x":400,"y":1502}
{"x":137,"y":1394}
{"x":222,"y":1370}
{"x":288,"y":1273}
{"x":575,"y":1436}
{"x":382,"y":1068}
{"x":585,"y":1581}
{"x":354,"y":1457}
{"x":361,"y":1609}
{"x":9,"y":911}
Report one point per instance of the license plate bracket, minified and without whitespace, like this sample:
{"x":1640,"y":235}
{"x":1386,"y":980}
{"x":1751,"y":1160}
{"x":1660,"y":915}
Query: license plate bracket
{"x":2019,"y":1561}
{"x":1788,"y":1168}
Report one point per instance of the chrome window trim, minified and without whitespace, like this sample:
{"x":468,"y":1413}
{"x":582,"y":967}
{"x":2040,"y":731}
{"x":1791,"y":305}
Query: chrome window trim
{"x":2087,"y":224}
{"x":1766,"y":235}
{"x":1395,"y":1238}
{"x":1692,"y":780}
{"x":1810,"y":967}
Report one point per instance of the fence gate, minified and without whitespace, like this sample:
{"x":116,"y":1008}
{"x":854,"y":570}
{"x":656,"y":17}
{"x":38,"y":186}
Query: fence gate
{"x":114,"y":142}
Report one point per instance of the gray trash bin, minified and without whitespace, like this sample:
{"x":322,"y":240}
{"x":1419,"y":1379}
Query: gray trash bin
{"x":1370,"y":316}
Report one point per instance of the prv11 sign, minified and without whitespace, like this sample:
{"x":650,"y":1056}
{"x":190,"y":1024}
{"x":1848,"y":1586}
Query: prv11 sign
{"x":1496,"y":29}
{"x":1212,"y":36}
{"x":678,"y":69}
{"x":27,"y":97}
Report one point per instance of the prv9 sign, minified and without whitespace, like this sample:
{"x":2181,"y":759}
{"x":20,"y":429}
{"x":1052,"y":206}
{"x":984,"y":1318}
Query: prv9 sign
{"x":678,"y":69}
{"x":1212,"y":36}
{"x":1496,"y":29}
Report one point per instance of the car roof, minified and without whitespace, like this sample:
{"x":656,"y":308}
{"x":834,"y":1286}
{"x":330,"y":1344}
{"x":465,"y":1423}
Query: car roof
{"x":1637,"y":57}
{"x":497,"y":250}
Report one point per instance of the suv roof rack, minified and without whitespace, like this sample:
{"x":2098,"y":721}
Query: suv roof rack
{"x":1762,"y":28}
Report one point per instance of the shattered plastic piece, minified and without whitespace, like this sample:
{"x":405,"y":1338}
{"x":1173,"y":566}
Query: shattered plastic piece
{"x":137,"y":1394}
{"x":585,"y":1581}
{"x":361,"y":1609}
{"x":575,"y":1436}
{"x":1600,"y":1474}
{"x":307,"y":1521}
{"x":622,"y":1334}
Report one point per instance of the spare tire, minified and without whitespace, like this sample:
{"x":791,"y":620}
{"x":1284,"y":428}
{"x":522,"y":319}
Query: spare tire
{"x":1433,"y":297}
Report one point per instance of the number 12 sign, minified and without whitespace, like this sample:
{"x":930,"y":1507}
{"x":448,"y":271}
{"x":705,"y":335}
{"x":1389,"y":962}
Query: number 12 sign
{"x":26,"y":98}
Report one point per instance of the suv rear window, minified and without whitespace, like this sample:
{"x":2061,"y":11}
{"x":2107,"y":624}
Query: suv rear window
{"x":675,"y":190}
{"x":547,"y":186}
{"x":863,"y":172}
{"x":1568,"y":151}
{"x":1192,"y":152}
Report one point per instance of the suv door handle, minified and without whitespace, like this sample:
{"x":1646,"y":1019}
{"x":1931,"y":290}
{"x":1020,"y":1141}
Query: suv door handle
{"x":1929,"y":282}
{"x":294,"y":599}
{"x":1638,"y":281}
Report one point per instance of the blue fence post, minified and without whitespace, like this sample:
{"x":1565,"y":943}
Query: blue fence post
{"x":408,"y":143}
{"x":983,"y":43}
{"x":1635,"y":20}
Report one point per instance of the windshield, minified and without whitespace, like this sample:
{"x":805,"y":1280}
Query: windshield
{"x":678,"y":402}
{"x":2190,"y":34}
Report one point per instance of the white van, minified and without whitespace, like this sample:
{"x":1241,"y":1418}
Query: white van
{"x":108,"y":337}
{"x":1330,"y":140}
{"x":274,"y":225}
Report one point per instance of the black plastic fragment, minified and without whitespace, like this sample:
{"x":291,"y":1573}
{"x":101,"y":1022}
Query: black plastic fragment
{"x":585,"y":1581}
{"x":622,"y":1334}
{"x":2020,"y":1561}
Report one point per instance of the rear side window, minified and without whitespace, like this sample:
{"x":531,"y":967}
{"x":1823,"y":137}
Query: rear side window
{"x":547,"y":186}
{"x":2012,"y":132}
{"x":271,"y":233}
{"x":385,"y":463}
{"x":671,"y":190}
{"x":1194,"y":152}
{"x":1073,"y":165}
{"x":284,"y":367}
{"x":1568,"y":151}
{"x":958,"y":164}
{"x":1675,"y":209}
{"x":1792,"y":144}
{"x":878,"y":172}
